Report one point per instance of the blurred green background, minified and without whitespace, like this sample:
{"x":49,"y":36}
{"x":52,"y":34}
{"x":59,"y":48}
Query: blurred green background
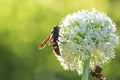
{"x":23,"y":26}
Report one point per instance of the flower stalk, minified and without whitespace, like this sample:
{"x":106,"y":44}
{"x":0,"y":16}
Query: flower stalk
{"x":86,"y":68}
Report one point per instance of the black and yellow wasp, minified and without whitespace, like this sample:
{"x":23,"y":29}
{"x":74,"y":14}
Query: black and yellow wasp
{"x":97,"y":73}
{"x":53,"y":37}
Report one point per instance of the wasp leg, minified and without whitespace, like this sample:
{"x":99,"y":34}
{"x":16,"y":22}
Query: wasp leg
{"x":60,"y":36}
{"x":61,"y":42}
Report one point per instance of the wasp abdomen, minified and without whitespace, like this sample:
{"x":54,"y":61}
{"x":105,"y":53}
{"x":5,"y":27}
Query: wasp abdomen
{"x":56,"y":48}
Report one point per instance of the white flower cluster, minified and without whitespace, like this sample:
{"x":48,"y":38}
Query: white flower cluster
{"x":86,"y":33}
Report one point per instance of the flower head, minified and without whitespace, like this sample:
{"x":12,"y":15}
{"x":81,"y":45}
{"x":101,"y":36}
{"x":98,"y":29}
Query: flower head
{"x":86,"y":33}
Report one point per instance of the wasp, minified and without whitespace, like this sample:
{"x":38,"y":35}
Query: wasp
{"x":97,"y":73}
{"x":53,"y":37}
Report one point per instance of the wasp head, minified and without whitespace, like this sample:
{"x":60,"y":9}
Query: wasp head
{"x":56,"y":27}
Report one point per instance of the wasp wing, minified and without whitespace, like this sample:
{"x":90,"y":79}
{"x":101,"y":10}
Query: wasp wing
{"x":101,"y":76}
{"x":50,"y":40}
{"x":45,"y":41}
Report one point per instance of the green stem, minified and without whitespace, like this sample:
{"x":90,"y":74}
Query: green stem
{"x":86,"y":69}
